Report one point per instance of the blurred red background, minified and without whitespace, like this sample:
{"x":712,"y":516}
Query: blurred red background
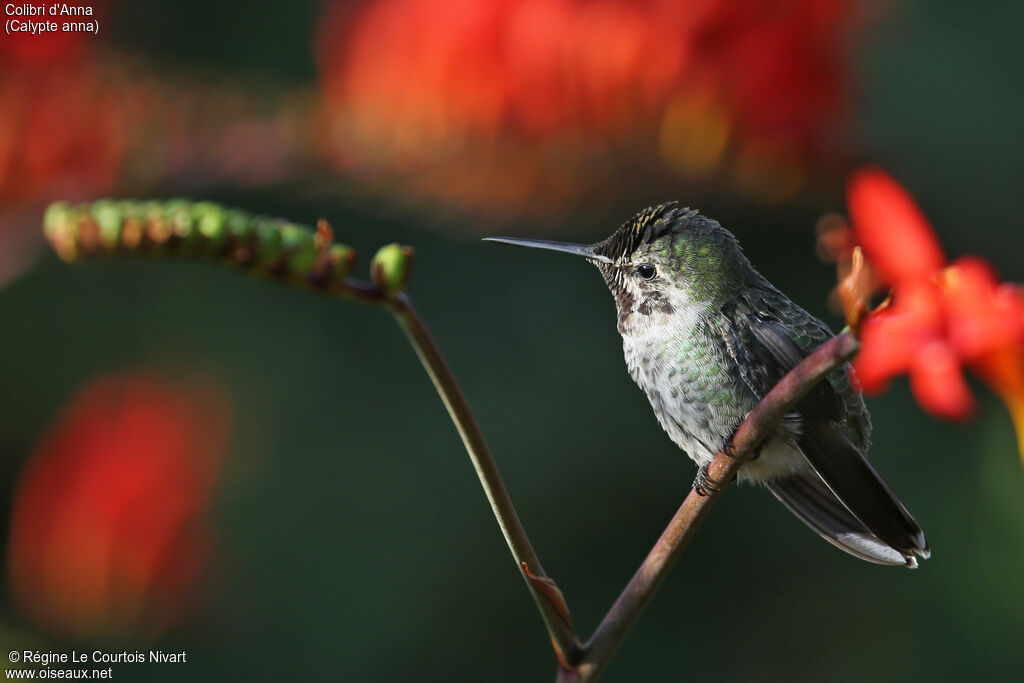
{"x":108,"y":525}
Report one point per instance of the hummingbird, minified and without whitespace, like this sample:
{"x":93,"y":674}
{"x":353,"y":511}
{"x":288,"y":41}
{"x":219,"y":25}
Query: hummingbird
{"x":706,"y":336}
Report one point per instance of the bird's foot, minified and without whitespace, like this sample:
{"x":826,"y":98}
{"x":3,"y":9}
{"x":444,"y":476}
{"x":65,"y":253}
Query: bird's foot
{"x":704,"y":484}
{"x":730,"y":450}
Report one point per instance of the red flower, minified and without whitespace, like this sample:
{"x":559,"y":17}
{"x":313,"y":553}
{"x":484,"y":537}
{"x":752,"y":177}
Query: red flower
{"x":891,"y":228}
{"x":941,"y":317}
{"x":410,"y":83}
{"x":107,"y":531}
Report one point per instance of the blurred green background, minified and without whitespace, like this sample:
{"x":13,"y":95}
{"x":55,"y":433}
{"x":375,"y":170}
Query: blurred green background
{"x":352,"y":539}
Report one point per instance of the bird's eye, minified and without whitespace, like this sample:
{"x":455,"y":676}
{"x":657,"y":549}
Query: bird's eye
{"x":646,"y":270}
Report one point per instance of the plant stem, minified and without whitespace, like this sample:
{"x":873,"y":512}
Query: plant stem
{"x":563,"y":638}
{"x":755,"y":428}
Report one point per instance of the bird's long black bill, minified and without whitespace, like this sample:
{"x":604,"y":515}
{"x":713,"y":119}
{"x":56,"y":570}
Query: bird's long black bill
{"x":584,"y":250}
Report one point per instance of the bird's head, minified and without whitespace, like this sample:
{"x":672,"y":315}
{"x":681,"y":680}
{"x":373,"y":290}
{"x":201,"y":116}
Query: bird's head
{"x":662,"y":260}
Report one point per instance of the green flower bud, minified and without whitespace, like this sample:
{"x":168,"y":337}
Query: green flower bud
{"x":300,"y":247}
{"x":177,"y":222}
{"x":342,"y":258}
{"x":390,"y":268}
{"x":107,"y":215}
{"x":60,"y":229}
{"x":211,"y":223}
{"x":155,"y":221}
{"x":239,"y":225}
{"x":56,"y":218}
{"x":132,"y":223}
{"x":269,"y":246}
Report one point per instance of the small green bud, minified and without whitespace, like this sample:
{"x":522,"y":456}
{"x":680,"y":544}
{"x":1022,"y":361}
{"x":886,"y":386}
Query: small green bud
{"x":342,"y":258}
{"x":107,"y":215}
{"x":61,"y":231}
{"x":239,"y":225}
{"x":156,"y":228}
{"x":390,"y":268}
{"x":56,"y":218}
{"x":211,"y":223}
{"x":132,"y":223}
{"x":268,"y":247}
{"x":178,"y":221}
{"x":300,"y":247}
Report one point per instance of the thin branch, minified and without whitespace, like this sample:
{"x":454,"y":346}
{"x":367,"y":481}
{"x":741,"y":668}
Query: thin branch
{"x":754,"y":429}
{"x":563,"y":638}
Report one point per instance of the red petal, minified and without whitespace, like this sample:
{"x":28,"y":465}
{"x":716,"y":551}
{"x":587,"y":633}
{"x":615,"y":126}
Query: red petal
{"x":888,"y":343}
{"x":982,"y":314}
{"x":939,"y":384}
{"x":890,"y":226}
{"x":922,"y":301}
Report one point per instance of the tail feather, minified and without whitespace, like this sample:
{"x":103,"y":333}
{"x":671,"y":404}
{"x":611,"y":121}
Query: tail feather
{"x":810,"y":499}
{"x":844,"y":474}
